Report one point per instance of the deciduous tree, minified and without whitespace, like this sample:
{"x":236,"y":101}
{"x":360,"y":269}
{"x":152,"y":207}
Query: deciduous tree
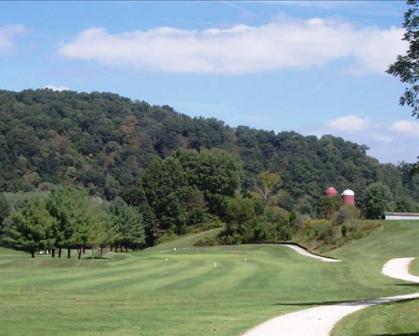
{"x":406,"y":67}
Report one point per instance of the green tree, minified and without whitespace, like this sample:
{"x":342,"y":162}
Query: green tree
{"x":163,"y":182}
{"x":127,"y":225}
{"x":107,"y":150}
{"x":216,"y":173}
{"x":101,"y":230}
{"x":268,"y":185}
{"x":377,"y":199}
{"x":4,"y":212}
{"x":273,"y":226}
{"x":71,"y":207}
{"x":406,"y":67}
{"x":137,"y":198}
{"x":239,"y":211}
{"x":331,"y":205}
{"x":30,"y":228}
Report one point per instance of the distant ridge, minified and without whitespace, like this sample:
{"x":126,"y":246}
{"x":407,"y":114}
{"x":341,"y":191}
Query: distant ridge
{"x":103,"y":141}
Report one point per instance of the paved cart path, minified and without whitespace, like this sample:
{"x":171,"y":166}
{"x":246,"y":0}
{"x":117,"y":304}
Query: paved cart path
{"x":319,"y":321}
{"x":306,"y":253}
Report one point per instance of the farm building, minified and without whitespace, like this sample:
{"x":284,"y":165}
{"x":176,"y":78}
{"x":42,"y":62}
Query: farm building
{"x":401,"y":215}
{"x":348,"y":197}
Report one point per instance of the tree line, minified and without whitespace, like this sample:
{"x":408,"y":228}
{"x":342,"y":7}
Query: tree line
{"x":67,"y":219}
{"x":185,"y":192}
{"x":104,"y":143}
{"x":176,"y":195}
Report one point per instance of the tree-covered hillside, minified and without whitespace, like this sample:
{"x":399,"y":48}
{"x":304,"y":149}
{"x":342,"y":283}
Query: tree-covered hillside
{"x":104,"y":142}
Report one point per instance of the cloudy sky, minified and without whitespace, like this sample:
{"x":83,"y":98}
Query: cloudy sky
{"x":314,"y":67}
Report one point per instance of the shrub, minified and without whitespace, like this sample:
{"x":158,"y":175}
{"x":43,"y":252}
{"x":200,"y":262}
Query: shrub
{"x":345,"y":214}
{"x":344,"y":230}
{"x":209,"y":241}
{"x":230,"y":239}
{"x":354,"y":229}
{"x":320,"y":229}
{"x":300,"y":221}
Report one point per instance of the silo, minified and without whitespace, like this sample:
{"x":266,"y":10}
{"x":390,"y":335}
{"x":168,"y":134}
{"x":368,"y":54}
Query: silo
{"x":330,"y":192}
{"x":348,"y":197}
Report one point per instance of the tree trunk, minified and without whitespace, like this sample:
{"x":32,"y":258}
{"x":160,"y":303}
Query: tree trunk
{"x":84,"y":249}
{"x":122,"y":249}
{"x":79,"y":256}
{"x":59,"y":252}
{"x":53,"y":253}
{"x":93,"y":252}
{"x":68,"y":253}
{"x":33,"y":254}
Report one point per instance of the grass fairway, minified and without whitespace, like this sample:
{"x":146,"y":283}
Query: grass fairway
{"x":143,"y":294}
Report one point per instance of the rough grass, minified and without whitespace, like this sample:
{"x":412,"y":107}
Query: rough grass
{"x":143,"y":294}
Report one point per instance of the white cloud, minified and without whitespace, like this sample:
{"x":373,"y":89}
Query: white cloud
{"x":241,"y":49}
{"x":56,"y":88}
{"x":7,"y":36}
{"x":389,"y":142}
{"x":380,"y":51}
{"x":406,"y":127}
{"x":348,"y":123}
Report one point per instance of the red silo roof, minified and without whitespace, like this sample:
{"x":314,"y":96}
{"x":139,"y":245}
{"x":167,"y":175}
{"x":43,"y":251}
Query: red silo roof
{"x":330,"y":192}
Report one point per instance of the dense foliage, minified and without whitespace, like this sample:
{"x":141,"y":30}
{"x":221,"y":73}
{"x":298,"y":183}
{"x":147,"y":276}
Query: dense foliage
{"x":406,"y":67}
{"x":185,"y":191}
{"x":378,"y":198}
{"x":68,"y":218}
{"x":104,"y":143}
{"x":4,"y":212}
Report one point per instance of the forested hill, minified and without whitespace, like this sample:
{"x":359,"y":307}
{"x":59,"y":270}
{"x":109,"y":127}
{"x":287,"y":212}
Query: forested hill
{"x":104,"y":141}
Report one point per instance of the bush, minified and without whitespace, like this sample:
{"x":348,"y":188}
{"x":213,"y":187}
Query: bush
{"x":231,"y":239}
{"x":324,"y":231}
{"x":210,"y":222}
{"x":354,"y":229}
{"x":300,"y":221}
{"x":344,"y":230}
{"x":320,"y":229}
{"x":209,"y":241}
{"x":344,"y":214}
{"x":166,"y":237}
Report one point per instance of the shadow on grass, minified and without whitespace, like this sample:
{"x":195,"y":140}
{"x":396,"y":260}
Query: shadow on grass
{"x":406,"y":284}
{"x":344,"y":302}
{"x":405,"y":334}
{"x":87,"y":258}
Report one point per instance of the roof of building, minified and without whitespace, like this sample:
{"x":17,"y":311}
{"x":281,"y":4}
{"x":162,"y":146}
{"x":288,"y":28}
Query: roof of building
{"x":406,"y":214}
{"x":330,"y":191}
{"x":348,"y":192}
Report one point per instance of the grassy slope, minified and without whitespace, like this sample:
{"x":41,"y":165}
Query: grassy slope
{"x":142,"y":294}
{"x":186,"y":241}
{"x":393,"y":319}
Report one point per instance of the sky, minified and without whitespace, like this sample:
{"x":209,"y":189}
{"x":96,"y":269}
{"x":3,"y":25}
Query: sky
{"x":312,"y":67}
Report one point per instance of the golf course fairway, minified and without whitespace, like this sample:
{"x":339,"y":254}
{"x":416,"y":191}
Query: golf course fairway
{"x":179,"y":289}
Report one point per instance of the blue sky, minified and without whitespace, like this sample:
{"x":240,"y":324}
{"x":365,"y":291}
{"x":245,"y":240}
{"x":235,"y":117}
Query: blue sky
{"x":313,"y":67}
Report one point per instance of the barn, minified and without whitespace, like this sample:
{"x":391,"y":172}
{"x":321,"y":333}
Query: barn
{"x":401,"y":215}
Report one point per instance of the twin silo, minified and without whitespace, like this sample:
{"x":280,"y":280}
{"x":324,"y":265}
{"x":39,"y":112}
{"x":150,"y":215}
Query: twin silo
{"x":348,"y":196}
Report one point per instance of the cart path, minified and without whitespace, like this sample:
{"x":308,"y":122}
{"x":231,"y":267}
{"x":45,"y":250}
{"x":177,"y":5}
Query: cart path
{"x":398,"y":268}
{"x":307,"y":253}
{"x":320,"y":320}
